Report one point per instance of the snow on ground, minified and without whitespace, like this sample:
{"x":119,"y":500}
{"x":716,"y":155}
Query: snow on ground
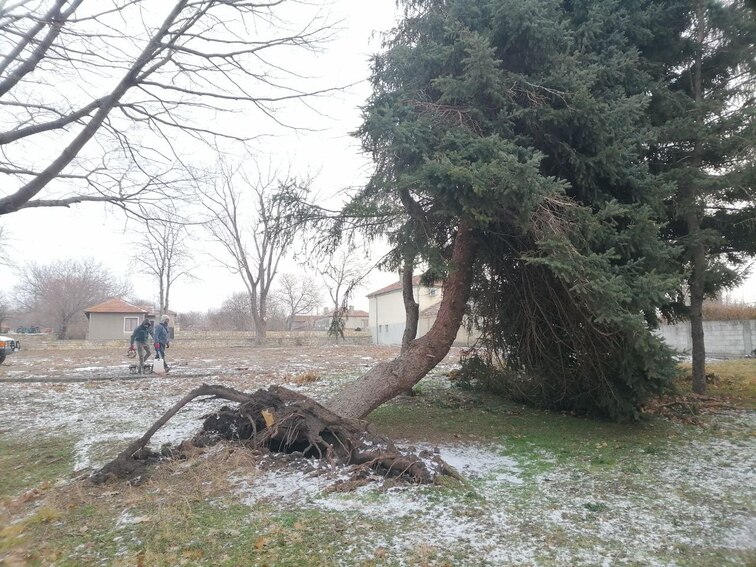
{"x":654,"y":510}
{"x":104,"y":406}
{"x":511,"y":518}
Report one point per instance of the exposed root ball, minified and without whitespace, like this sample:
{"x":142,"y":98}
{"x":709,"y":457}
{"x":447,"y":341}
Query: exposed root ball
{"x":281,"y":420}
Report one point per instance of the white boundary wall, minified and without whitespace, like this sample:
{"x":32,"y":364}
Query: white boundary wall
{"x":721,"y":338}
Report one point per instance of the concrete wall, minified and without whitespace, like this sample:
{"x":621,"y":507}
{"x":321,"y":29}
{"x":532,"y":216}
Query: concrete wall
{"x":721,"y":338}
{"x":110,"y":326}
{"x":202,"y":339}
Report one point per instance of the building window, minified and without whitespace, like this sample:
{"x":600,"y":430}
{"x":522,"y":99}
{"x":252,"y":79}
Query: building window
{"x":130,"y":323}
{"x":432,"y":291}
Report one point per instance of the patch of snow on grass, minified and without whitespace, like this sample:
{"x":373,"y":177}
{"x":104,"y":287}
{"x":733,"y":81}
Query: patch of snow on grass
{"x":742,"y":535}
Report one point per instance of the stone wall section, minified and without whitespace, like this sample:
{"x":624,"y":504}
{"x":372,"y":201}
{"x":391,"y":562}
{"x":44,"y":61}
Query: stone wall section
{"x":722,"y":339}
{"x":204,"y":339}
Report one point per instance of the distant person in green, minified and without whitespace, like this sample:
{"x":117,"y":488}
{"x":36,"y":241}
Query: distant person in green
{"x":141,"y":336}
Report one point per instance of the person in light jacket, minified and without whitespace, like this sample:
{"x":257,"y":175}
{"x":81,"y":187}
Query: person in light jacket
{"x":162,"y":339}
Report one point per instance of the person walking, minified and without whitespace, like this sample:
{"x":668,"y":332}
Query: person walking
{"x":141,"y":336}
{"x":162,"y":339}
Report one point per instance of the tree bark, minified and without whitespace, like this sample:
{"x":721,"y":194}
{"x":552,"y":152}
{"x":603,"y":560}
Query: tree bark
{"x":411,"y":307}
{"x":698,"y":348}
{"x":697,"y":251}
{"x":261,"y":330}
{"x":389,"y":379}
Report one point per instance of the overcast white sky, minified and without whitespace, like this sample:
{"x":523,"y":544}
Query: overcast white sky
{"x":44,"y":235}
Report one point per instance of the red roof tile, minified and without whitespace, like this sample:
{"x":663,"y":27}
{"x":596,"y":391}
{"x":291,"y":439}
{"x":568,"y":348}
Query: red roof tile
{"x":115,"y":305}
{"x":393,"y":287}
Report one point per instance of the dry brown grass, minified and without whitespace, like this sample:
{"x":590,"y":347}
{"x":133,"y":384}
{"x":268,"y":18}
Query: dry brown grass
{"x":163,"y":504}
{"x":718,"y":311}
{"x":306,"y":377}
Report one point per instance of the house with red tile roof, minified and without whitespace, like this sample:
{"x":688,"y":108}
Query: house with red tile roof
{"x":116,"y":319}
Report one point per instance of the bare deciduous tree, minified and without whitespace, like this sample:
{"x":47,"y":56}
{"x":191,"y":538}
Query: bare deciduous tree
{"x":253,"y":228}
{"x":162,"y":252}
{"x":4,"y":309}
{"x":59,"y":292}
{"x":6,"y":259}
{"x":97,"y":97}
{"x":194,"y":320}
{"x":235,"y":314}
{"x":342,"y":274}
{"x":297,"y":296}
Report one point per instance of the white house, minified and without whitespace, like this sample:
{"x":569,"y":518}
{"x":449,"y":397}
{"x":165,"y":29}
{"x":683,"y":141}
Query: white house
{"x":387,"y":316}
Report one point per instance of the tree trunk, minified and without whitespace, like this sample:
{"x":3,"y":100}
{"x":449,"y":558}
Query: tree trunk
{"x":696,"y":322}
{"x":696,"y":247}
{"x":411,"y":307}
{"x":161,"y":299}
{"x":261,"y":325}
{"x":389,"y":379}
{"x":261,"y":330}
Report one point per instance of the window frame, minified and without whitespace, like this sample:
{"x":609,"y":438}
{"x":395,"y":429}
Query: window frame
{"x":136,"y":324}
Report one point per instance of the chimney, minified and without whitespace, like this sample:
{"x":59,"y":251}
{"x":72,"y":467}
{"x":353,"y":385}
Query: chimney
{"x":351,"y":308}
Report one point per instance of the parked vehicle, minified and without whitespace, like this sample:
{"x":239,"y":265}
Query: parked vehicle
{"x":8,"y":346}
{"x":33,"y":330}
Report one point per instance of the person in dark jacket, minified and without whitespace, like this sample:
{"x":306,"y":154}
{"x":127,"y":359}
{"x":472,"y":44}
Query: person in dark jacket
{"x":141,"y":336}
{"x":162,"y":339}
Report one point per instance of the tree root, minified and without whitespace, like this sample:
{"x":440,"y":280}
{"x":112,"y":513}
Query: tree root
{"x":281,"y":420}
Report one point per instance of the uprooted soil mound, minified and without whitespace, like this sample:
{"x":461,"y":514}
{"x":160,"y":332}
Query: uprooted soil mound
{"x":282,"y":421}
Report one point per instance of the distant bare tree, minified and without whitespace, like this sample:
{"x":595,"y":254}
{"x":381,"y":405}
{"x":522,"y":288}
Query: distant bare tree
{"x":235,"y":313}
{"x":95,"y":97}
{"x":5,"y":259}
{"x":163,"y":253}
{"x":193,"y":320}
{"x":276,"y":315}
{"x":4,"y":309}
{"x":59,"y":292}
{"x":342,"y":274}
{"x":297,"y":296}
{"x":252,"y":226}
